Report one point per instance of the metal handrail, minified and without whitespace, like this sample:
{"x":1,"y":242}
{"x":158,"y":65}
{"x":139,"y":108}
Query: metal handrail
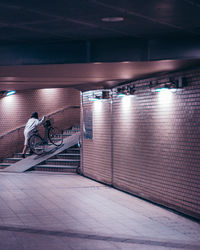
{"x":48,"y":116}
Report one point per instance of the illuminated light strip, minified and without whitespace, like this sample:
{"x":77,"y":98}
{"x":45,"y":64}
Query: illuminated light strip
{"x":165,"y":89}
{"x":10,"y":93}
{"x":161,"y":89}
{"x":121,"y":95}
{"x":93,"y":99}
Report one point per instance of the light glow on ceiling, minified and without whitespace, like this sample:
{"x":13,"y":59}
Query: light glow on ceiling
{"x":112,"y":19}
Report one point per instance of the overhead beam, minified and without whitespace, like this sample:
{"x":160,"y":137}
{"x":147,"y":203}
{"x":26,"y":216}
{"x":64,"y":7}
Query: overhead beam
{"x":185,"y":48}
{"x":102,"y":50}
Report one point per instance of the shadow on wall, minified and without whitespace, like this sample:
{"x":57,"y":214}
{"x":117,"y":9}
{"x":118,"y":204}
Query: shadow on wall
{"x":13,"y":141}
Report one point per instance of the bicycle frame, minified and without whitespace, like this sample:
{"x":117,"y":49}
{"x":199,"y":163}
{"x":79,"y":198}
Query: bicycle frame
{"x":51,"y":134}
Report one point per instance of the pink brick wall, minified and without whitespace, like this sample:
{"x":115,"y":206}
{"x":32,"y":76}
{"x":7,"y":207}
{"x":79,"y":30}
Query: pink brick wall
{"x":96,"y":153}
{"x":155,"y":145}
{"x":15,"y":110}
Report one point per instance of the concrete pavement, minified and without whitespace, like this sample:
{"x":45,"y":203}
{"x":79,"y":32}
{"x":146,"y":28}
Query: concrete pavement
{"x":68,"y":211}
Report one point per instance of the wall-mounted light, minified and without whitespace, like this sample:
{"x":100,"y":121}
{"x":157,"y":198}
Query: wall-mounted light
{"x":105,"y":94}
{"x":7,"y":93}
{"x":2,"y":93}
{"x":125,"y":90}
{"x":172,"y":84}
{"x":131,"y":90}
{"x":12,"y":92}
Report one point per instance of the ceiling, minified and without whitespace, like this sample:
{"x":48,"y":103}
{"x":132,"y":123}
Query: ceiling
{"x":88,"y":77}
{"x":64,"y":20}
{"x":35,"y":23}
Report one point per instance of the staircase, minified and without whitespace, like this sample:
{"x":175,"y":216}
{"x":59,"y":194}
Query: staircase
{"x":67,"y":161}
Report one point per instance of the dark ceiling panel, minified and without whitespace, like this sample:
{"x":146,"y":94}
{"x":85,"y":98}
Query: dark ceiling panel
{"x":177,"y":14}
{"x":19,"y":34}
{"x":76,"y":9}
{"x":81,"y":20}
{"x":18,"y":15}
{"x":73,"y":30}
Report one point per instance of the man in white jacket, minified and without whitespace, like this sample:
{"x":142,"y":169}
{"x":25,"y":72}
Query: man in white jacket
{"x":31,"y":125}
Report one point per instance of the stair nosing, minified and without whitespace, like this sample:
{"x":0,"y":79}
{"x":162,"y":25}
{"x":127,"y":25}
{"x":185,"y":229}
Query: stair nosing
{"x":67,"y":154}
{"x":54,"y":166}
{"x":63,"y":160}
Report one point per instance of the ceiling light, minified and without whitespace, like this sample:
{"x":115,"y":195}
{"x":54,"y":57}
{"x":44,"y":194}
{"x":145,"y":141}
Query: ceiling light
{"x":112,"y":19}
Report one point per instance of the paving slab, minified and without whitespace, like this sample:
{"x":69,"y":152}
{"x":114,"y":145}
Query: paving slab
{"x":61,"y":211}
{"x":33,"y":160}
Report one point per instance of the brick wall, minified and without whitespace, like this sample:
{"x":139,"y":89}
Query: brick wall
{"x":154,"y":144}
{"x":61,"y":104}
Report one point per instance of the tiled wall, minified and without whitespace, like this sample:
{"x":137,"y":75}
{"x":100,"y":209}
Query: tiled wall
{"x":15,"y":110}
{"x":154,"y":143}
{"x":97,"y":152}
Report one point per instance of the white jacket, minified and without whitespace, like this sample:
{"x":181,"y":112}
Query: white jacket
{"x":32,"y":124}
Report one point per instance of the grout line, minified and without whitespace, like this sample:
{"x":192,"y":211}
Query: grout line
{"x":81,"y":235}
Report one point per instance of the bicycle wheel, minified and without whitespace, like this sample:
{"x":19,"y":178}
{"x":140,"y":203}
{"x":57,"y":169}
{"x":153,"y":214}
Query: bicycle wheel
{"x":36,"y":144}
{"x":55,"y":136}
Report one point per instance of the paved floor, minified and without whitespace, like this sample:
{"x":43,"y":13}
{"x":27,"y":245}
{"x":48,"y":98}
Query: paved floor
{"x":52,"y":211}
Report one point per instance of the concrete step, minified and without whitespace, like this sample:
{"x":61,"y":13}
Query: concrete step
{"x":4,"y":165}
{"x":15,"y":164}
{"x":52,"y":172}
{"x":70,"y":131}
{"x":63,"y":162}
{"x":11,"y":160}
{"x":74,"y":150}
{"x":56,"y":168}
{"x":19,"y":155}
{"x":68,"y":156}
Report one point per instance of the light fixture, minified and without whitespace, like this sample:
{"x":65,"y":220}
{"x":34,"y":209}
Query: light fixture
{"x":112,"y":19}
{"x":131,"y":90}
{"x":4,"y":93}
{"x":125,"y":90}
{"x":171,"y":84}
{"x":95,"y":98}
{"x":105,"y":94}
{"x":12,"y":92}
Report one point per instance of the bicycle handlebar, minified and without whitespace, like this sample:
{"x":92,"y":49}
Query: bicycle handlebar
{"x":47,"y":123}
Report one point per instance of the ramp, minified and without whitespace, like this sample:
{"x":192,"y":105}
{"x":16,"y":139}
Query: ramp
{"x":31,"y":161}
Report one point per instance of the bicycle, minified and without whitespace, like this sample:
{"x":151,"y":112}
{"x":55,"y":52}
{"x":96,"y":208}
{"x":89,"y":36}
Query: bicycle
{"x":38,"y":144}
